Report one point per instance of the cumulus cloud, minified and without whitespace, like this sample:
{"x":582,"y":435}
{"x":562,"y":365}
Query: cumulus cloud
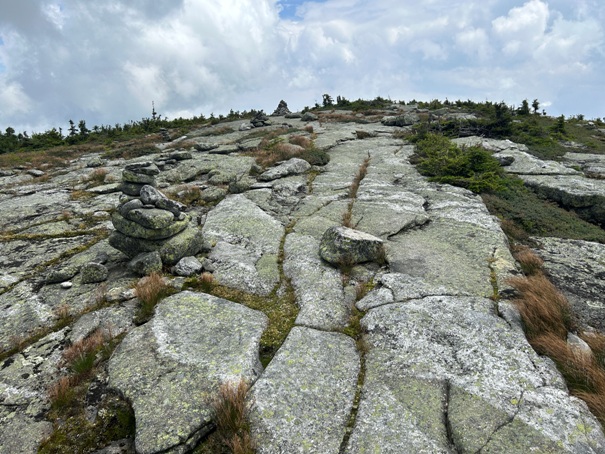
{"x":106,"y":61}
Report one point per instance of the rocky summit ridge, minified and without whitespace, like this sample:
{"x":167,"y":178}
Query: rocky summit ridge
{"x":400,"y":337}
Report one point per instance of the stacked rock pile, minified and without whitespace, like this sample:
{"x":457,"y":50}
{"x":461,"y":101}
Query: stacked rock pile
{"x":151,"y":229}
{"x":137,"y":175}
{"x":282,"y":109}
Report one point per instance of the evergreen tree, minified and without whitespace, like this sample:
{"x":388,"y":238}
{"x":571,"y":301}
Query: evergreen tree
{"x":535,"y":105}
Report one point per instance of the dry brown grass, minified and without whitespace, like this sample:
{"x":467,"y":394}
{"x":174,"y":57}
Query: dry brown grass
{"x":81,"y":357}
{"x":96,"y":177}
{"x":61,"y":393}
{"x":187,"y":194}
{"x":206,"y":281}
{"x":150,"y":290}
{"x":301,"y":141}
{"x":543,"y":308}
{"x":530,"y":263}
{"x":309,"y":129}
{"x":360,"y":175}
{"x":231,"y":417}
{"x":547,"y":319}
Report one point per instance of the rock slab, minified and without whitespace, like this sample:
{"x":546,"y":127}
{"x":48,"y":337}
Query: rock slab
{"x":171,"y":366}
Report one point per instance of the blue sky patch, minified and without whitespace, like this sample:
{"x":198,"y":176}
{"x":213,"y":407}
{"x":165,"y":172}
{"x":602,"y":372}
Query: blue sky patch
{"x":289,"y":7}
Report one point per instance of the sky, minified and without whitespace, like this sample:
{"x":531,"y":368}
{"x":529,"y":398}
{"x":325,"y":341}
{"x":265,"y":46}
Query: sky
{"x":106,"y":61}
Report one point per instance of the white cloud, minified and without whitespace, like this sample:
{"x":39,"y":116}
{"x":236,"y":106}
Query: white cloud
{"x":106,"y":61}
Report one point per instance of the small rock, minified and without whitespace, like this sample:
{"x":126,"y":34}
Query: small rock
{"x":150,"y":195}
{"x":246,"y":126}
{"x":341,"y":245}
{"x":125,"y":208}
{"x":93,"y":272}
{"x":140,"y":178}
{"x":146,"y":263}
{"x":66,"y":284}
{"x":35,"y":172}
{"x":206,"y":146}
{"x":188,"y":266}
{"x":96,"y":162}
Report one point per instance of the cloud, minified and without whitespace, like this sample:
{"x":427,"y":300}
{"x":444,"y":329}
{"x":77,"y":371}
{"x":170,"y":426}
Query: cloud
{"x":105,"y":62}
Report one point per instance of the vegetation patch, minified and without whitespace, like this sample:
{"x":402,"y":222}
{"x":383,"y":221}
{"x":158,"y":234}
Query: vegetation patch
{"x":473,"y":168}
{"x":231,"y":417}
{"x":547,"y":320}
{"x":150,"y":290}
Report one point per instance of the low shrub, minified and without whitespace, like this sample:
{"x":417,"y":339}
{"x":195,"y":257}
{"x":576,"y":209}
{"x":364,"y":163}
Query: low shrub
{"x":473,"y":168}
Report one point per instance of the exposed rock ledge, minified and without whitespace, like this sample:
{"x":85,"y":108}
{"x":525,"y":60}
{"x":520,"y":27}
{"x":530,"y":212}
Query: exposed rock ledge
{"x":442,"y":368}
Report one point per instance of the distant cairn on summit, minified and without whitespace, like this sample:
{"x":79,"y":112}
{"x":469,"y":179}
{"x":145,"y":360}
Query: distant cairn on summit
{"x":282,"y":109}
{"x":151,"y":229}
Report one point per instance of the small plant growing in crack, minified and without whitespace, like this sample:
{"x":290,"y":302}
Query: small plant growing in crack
{"x":231,"y":417}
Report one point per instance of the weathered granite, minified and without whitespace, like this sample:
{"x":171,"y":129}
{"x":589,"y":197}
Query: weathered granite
{"x":469,"y":382}
{"x":292,"y":166}
{"x":577,"y":268}
{"x":170,"y":367}
{"x":302,"y":401}
{"x":318,"y":286}
{"x":245,"y":245}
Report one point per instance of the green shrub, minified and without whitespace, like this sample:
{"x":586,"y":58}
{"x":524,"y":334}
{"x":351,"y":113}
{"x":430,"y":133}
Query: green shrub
{"x":473,"y":168}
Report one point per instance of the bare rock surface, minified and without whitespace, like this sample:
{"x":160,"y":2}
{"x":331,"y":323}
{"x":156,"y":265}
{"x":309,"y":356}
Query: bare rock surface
{"x":170,"y":367}
{"x":302,"y":401}
{"x":578,"y":269}
{"x":412,"y":354}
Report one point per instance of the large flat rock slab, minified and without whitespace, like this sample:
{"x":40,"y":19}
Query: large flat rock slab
{"x":455,"y":256}
{"x":318,"y":286}
{"x":25,"y":379}
{"x":446,"y":374}
{"x":171,"y":367}
{"x":245,"y":245}
{"x":303,"y":400}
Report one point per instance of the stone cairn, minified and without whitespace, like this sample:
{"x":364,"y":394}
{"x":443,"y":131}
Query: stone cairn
{"x":281,"y":110}
{"x":151,"y":229}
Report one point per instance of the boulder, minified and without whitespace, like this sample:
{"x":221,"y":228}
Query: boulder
{"x":146,"y":263}
{"x":93,"y":272}
{"x":294,"y":166}
{"x":345,"y":246}
{"x":407,"y":119}
{"x":308,"y":116}
{"x":171,"y":367}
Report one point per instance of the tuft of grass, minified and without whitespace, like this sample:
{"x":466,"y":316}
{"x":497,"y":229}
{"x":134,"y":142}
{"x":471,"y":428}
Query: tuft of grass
{"x":231,"y":417}
{"x":187,"y":194}
{"x":62,"y":393}
{"x":530,"y":263}
{"x":360,"y":175}
{"x":81,"y":356}
{"x":542,"y":307}
{"x":206,"y":282}
{"x":149,"y":291}
{"x":547,"y":319}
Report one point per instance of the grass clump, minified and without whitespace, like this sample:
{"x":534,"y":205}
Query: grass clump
{"x":231,"y":417}
{"x":149,"y":291}
{"x":547,"y":319}
{"x":276,"y":147}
